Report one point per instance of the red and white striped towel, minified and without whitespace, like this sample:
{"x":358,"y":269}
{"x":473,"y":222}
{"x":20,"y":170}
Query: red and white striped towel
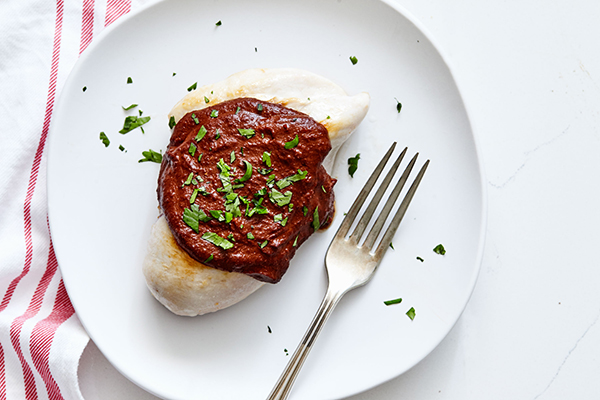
{"x":41,"y":339}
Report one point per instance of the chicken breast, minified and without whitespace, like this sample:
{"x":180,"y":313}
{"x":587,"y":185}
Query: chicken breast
{"x":188,"y":287}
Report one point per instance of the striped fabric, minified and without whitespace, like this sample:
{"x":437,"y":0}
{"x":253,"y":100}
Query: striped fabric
{"x":41,"y":339}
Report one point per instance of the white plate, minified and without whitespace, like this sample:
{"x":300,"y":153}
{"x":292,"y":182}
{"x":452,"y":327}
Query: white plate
{"x":102,"y":202}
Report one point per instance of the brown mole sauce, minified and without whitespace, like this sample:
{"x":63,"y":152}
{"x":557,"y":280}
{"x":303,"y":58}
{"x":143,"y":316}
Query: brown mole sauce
{"x":266,"y":257}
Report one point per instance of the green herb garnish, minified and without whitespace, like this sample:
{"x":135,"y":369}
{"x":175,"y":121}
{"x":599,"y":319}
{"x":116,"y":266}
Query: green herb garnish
{"x":263,"y":244}
{"x":411,"y":313}
{"x":295,"y":242}
{"x":250,"y":236}
{"x":218,"y":23}
{"x":217,"y":134}
{"x":392,"y":246}
{"x":214,"y":114}
{"x":390,"y":302}
{"x":193,"y":87}
{"x":281,"y":199}
{"x":316,"y":224}
{"x":247,"y":133}
{"x":206,"y":99}
{"x":193,"y":215}
{"x":292,"y":143}
{"x":217,"y":240}
{"x":201,"y":132}
{"x":279,"y":218}
{"x":266,"y":158}
{"x":439,"y":249}
{"x":104,"y":139}
{"x":196,"y":120}
{"x":353,"y":60}
{"x":122,"y":148}
{"x":209,"y":259}
{"x":353,"y":164}
{"x":151,"y":155}
{"x":247,"y":174}
{"x":420,"y":259}
{"x":129,"y":80}
{"x":130,"y":107}
{"x":285,"y":182}
{"x":84,"y":88}
{"x":132,"y":122}
{"x":192,"y":149}
{"x":259,"y":107}
{"x":398,"y":105}
{"x":172,"y":122}
{"x":188,"y":180}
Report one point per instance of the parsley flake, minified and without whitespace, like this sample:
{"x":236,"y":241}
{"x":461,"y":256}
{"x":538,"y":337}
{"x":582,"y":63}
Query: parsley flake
{"x":209,"y":259}
{"x":285,"y":182}
{"x":206,"y":99}
{"x":196,"y":120}
{"x":129,"y":80}
{"x":316,"y":224}
{"x":263,"y":244}
{"x":214,"y":114}
{"x":217,"y":240}
{"x":130,"y":107}
{"x":411,"y":313}
{"x":193,"y":87}
{"x":353,"y":60}
{"x":104,"y":139}
{"x":292,"y":143}
{"x":151,"y":155}
{"x":172,"y":122}
{"x":218,"y":23}
{"x":398,"y":105}
{"x":439,"y":249}
{"x":247,"y":133}
{"x":390,"y":302}
{"x":131,"y":122}
{"x":201,"y":132}
{"x":420,"y":259}
{"x":266,"y":158}
{"x":353,"y":164}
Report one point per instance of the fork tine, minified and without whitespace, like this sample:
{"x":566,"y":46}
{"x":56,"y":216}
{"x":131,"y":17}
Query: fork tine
{"x":387,"y":208}
{"x":364,"y":193}
{"x":389,"y":234}
{"x":368,"y":214}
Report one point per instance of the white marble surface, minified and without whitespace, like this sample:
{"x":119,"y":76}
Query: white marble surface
{"x":529,"y":72}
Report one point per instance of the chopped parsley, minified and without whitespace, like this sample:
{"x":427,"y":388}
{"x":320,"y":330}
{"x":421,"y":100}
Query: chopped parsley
{"x":206,"y":99}
{"x":411,"y":313}
{"x":224,"y":176}
{"x":130,"y":107}
{"x":196,"y":120}
{"x":353,"y":164}
{"x":247,"y":133}
{"x":201,"y":133}
{"x":292,"y":143}
{"x":316,"y":224}
{"x":194,"y":195}
{"x":266,"y":158}
{"x":392,"y":246}
{"x":193,"y":215}
{"x":295,"y":242}
{"x":263,"y":244}
{"x":390,"y":302}
{"x":353,"y":60}
{"x":209,"y":259}
{"x":192,"y":149}
{"x":104,"y":139}
{"x":259,"y":107}
{"x":304,"y":210}
{"x":172,"y":122}
{"x":398,"y":105}
{"x":285,"y":182}
{"x":279,"y":218}
{"x":129,"y":80}
{"x":250,"y":236}
{"x":214,"y":114}
{"x":281,"y":199}
{"x":193,"y":87}
{"x":420,"y":259}
{"x":122,"y":148}
{"x":439,"y":249}
{"x":217,"y":240}
{"x":151,"y":155}
{"x":218,"y":23}
{"x":84,"y":88}
{"x":132,"y":122}
{"x":248,"y":172}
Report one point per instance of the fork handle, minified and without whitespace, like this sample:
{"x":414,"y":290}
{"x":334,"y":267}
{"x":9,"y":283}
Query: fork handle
{"x":284,"y":385}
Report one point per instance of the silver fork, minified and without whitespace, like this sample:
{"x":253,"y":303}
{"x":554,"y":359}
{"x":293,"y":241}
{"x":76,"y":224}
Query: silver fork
{"x":349,"y":263}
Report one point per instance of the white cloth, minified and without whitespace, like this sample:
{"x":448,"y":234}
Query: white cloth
{"x":41,"y":339}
